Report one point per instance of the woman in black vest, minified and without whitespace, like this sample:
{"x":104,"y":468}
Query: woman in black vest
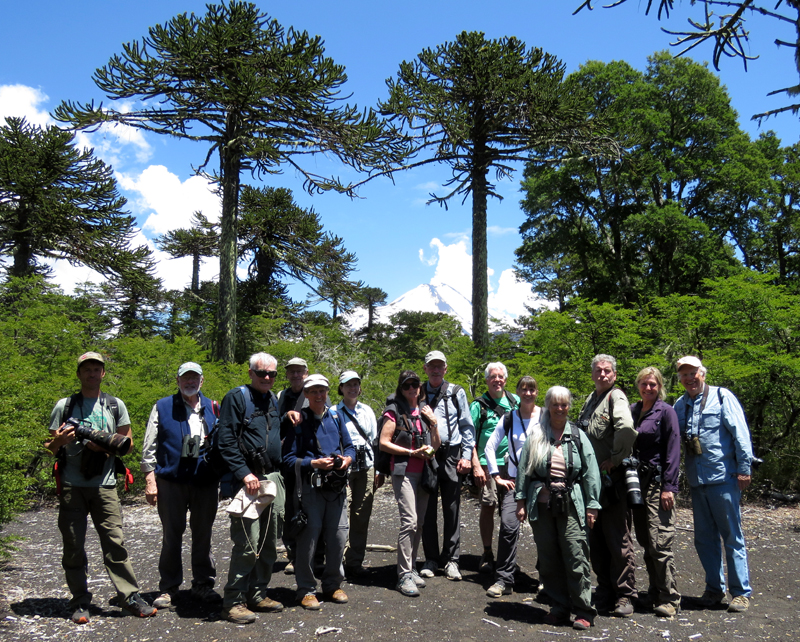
{"x":411,"y":443}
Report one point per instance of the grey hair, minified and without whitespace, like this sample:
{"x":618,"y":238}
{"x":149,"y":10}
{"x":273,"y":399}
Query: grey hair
{"x":262,"y":357}
{"x":702,"y":370}
{"x":496,"y":365}
{"x":538,"y":441}
{"x":604,"y":357}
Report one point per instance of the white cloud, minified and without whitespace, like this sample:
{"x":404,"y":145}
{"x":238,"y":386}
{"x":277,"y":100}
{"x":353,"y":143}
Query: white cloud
{"x":170,"y":201}
{"x":496,"y":230}
{"x":23,"y":101}
{"x":454,"y":268}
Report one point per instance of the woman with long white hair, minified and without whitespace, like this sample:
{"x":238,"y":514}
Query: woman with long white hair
{"x":558,"y":490}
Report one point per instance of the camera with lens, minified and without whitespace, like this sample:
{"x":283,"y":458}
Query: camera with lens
{"x":634,"y":488}
{"x":361,"y":458}
{"x":190,"y":448}
{"x":117,"y":445}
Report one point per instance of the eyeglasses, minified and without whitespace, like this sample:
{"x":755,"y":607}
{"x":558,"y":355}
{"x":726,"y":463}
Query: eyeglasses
{"x":410,"y":384}
{"x":265,"y":373}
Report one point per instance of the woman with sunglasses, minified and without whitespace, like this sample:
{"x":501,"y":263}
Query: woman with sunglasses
{"x":410,"y":435}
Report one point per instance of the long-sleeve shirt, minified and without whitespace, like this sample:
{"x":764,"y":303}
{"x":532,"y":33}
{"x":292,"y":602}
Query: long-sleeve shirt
{"x":516,"y":441}
{"x":659,"y":441}
{"x":454,"y":419}
{"x":315,"y":437}
{"x":612,"y":437}
{"x":723,"y":433}
{"x":366,"y":419}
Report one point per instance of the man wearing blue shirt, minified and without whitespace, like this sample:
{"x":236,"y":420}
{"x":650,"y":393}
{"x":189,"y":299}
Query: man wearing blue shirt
{"x":718,"y":457}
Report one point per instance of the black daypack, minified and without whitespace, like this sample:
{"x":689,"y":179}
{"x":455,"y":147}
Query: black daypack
{"x":492,"y":405}
{"x":383,"y":459}
{"x":212,"y":455}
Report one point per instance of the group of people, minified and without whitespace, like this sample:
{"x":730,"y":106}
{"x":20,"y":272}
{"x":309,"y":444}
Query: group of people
{"x":304,"y":469}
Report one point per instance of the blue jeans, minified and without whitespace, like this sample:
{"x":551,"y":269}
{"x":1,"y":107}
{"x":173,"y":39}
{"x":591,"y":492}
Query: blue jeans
{"x":717,"y":518}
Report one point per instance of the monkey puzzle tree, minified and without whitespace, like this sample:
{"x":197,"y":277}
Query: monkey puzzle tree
{"x":257,"y":96}
{"x":202,"y":239}
{"x":480,"y":105}
{"x":60,"y":202}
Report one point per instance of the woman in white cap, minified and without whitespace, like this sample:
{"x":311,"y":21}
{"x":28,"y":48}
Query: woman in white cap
{"x":411,"y":443}
{"x":360,"y":422}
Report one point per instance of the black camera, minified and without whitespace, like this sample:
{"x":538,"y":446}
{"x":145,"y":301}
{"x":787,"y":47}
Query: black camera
{"x":117,"y":445}
{"x":631,"y":465}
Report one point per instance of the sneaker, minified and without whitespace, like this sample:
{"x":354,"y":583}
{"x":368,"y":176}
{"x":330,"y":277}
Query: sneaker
{"x":238,"y":614}
{"x":407,"y":586}
{"x":428,"y":569}
{"x":451,"y":571}
{"x":710,"y":599}
{"x":337,"y":597}
{"x":623,"y":608}
{"x":204,"y":593}
{"x":739,"y":604}
{"x":267,"y":606}
{"x":163,"y":601}
{"x":310,"y":602}
{"x":499,"y":589}
{"x":135,"y":605}
{"x":486,"y":565}
{"x":421,"y":583}
{"x":289,"y":568}
{"x":666,"y":610}
{"x":581,"y":624}
{"x":81,"y":614}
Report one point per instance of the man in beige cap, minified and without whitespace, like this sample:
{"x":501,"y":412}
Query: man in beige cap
{"x":179,"y":479}
{"x":88,"y":486}
{"x":718,"y":459}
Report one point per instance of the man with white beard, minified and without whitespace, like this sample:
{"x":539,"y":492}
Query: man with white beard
{"x":179,"y":479}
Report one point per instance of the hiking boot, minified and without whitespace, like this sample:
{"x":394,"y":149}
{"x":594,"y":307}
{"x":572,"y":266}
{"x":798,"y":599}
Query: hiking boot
{"x":421,"y":583}
{"x":337,"y":597}
{"x":310,"y":602}
{"x":81,"y":614}
{"x":238,"y":614}
{"x":267,"y":606}
{"x":666,"y":610}
{"x":429,"y":569}
{"x":135,"y":605}
{"x":451,"y":571}
{"x":356,"y":571}
{"x":623,"y":608}
{"x":486,"y":565}
{"x":499,"y":589}
{"x":163,"y":601}
{"x":555,"y":618}
{"x":205,"y":593}
{"x":711,"y":599}
{"x":739,"y":604}
{"x":581,"y":624}
{"x":407,"y":586}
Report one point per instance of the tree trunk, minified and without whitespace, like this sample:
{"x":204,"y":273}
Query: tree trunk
{"x":196,"y":272}
{"x":226,"y":311}
{"x":480,"y":266}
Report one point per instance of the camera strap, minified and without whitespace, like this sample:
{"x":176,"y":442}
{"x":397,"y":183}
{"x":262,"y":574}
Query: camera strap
{"x":352,"y":418}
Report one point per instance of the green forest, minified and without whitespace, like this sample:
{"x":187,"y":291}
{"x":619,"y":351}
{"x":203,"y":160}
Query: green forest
{"x":654,"y":225}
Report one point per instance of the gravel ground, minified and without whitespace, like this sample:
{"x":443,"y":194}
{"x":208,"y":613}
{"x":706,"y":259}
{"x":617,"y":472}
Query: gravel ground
{"x":33,"y":594}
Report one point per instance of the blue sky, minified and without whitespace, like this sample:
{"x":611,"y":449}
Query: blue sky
{"x":52,"y":49}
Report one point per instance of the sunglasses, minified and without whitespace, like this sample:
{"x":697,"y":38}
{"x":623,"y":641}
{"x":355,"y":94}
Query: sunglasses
{"x":266,"y":373}
{"x":410,"y":384}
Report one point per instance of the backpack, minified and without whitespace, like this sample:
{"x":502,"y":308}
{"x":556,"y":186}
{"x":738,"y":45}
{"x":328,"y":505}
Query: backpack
{"x":493,"y":405}
{"x":212,"y":455}
{"x":448,"y":391}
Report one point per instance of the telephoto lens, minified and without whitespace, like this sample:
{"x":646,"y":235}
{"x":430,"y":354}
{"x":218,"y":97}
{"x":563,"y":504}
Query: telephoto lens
{"x":632,"y":481}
